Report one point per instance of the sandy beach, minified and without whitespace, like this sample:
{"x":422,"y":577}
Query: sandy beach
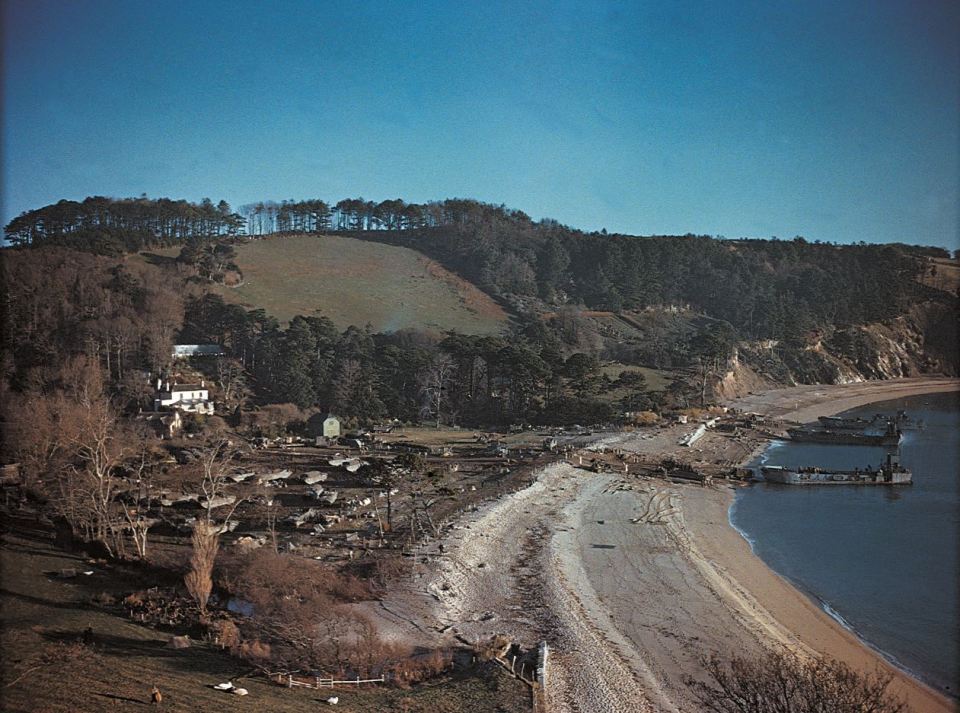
{"x":633,"y":581}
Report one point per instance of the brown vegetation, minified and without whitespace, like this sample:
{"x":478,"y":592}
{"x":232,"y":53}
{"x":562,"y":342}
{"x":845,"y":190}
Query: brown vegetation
{"x":782,"y":683}
{"x":199,"y":580}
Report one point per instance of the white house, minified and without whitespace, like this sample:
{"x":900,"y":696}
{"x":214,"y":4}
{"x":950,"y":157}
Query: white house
{"x":191,"y":398}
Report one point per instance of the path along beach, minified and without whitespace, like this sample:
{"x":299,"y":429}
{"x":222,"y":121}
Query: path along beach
{"x":634,"y":580}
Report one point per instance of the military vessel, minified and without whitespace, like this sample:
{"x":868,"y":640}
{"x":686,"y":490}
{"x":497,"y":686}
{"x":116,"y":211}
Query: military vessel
{"x":889,"y":473}
{"x":888,"y":437}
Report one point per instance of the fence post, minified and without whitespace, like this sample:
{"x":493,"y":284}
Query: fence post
{"x":289,"y":680}
{"x":318,"y":683}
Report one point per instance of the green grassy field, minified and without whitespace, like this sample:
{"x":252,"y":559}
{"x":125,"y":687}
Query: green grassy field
{"x":358,"y":282}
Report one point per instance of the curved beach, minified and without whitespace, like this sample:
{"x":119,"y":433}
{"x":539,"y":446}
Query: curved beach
{"x":634,"y":581}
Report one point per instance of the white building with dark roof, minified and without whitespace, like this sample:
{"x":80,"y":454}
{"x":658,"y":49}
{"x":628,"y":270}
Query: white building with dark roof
{"x":190,"y":398}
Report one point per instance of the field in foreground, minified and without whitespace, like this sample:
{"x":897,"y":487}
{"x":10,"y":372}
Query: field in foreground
{"x":125,"y":659}
{"x":357,"y":282}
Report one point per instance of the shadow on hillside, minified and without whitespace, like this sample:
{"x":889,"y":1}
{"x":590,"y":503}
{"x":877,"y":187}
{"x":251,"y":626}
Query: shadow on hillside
{"x":125,"y":699}
{"x":113,"y":645}
{"x":155,"y":259}
{"x":41,"y":601}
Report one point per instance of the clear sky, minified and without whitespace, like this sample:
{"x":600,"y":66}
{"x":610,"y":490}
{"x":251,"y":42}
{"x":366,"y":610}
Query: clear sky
{"x":835,"y":120}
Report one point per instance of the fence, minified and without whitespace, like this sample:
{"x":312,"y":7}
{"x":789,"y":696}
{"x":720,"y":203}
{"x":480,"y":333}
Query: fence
{"x":540,"y":690}
{"x":533,"y":675}
{"x":288,"y":680}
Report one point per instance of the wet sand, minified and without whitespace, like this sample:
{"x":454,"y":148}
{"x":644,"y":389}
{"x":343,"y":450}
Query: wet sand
{"x":807,"y":403}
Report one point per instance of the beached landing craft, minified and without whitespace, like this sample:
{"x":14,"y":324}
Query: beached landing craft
{"x":890,"y":473}
{"x":891,"y":436}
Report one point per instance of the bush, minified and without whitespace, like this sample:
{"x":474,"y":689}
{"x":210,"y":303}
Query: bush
{"x":255,"y":651}
{"x":225,"y":634}
{"x":781,"y":683}
{"x":644,"y":418}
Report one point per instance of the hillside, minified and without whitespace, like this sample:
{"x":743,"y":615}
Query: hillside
{"x":357,"y":282}
{"x":943,"y":274}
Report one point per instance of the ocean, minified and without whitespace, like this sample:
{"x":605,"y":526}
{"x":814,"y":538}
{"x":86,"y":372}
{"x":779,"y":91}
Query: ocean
{"x":883,"y":561}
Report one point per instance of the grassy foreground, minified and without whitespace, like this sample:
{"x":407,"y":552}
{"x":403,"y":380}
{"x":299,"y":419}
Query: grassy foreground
{"x":125,"y":660}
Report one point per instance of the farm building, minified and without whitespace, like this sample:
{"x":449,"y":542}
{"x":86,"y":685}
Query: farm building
{"x":166,"y":424}
{"x":192,"y":398}
{"x":183,"y":351}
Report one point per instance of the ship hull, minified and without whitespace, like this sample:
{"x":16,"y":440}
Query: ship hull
{"x":842,"y":438}
{"x":815,"y":476}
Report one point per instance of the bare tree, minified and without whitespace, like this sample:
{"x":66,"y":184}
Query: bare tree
{"x":199,"y":580}
{"x":230,"y":378}
{"x":433,"y":385}
{"x":214,"y":462}
{"x":92,"y":477}
{"x":383,"y":474}
{"x":268,"y":511}
{"x":137,"y":510}
{"x":783,"y":683}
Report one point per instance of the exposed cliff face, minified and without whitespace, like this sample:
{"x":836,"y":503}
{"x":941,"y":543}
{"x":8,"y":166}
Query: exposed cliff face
{"x":739,"y":380}
{"x":922,"y":341}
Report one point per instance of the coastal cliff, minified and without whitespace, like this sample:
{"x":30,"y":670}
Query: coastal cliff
{"x":923,"y":341}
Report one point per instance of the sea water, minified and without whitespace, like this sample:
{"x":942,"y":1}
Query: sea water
{"x":881,"y":560}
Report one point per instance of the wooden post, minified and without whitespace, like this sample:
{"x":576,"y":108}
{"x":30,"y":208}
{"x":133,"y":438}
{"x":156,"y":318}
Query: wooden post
{"x":289,"y":680}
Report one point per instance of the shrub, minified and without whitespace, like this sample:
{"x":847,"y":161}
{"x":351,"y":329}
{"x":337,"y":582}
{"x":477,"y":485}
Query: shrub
{"x":226,"y":634}
{"x":781,"y":683}
{"x":199,"y":579}
{"x":644,"y":418}
{"x":255,"y":651}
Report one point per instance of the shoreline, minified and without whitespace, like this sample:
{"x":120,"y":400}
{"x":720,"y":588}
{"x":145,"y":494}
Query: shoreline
{"x":809,"y":403}
{"x":632,"y":581}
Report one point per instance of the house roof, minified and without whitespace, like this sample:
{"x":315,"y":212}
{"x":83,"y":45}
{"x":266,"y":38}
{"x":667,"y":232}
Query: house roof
{"x":187,"y":387}
{"x":197,"y":350}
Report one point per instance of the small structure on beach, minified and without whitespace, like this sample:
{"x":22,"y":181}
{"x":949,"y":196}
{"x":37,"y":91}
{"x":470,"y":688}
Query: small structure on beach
{"x":331,"y":426}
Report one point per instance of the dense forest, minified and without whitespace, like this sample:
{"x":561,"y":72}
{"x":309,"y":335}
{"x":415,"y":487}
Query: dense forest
{"x":766,"y":289}
{"x":786,"y":290}
{"x":69,"y":314}
{"x":521,"y":376}
{"x":108,"y":225}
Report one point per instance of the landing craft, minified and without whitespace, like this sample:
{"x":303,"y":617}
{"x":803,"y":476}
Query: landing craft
{"x":889,"y":473}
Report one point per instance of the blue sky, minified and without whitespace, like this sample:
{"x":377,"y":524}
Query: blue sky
{"x":836,"y":120}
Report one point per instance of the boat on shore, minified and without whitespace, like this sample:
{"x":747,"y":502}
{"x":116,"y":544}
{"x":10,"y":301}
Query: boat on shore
{"x":889,"y":473}
{"x":890,"y":437}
